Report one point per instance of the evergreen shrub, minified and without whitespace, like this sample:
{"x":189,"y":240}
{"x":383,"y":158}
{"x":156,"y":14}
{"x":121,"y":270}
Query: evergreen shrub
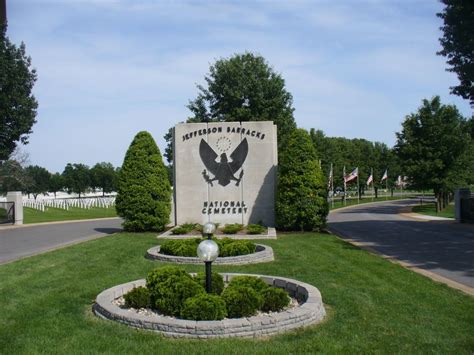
{"x":217,"y":281}
{"x":252,"y":282}
{"x":241,"y":301}
{"x":237,"y":247}
{"x":204,"y":307}
{"x":301,"y":200}
{"x":274,"y":299}
{"x":255,"y":229}
{"x":232,"y":228}
{"x":139,"y":297}
{"x":143,"y":189}
{"x":183,"y":247}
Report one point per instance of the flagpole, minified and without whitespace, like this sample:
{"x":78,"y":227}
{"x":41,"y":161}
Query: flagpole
{"x":386,"y":188}
{"x":373,"y":187}
{"x":332,"y":186}
{"x":358,"y":187}
{"x":344,"y":179}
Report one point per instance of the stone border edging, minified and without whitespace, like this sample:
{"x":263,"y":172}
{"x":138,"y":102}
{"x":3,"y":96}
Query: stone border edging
{"x":263,"y":254}
{"x":271,"y":234}
{"x":310,"y":311}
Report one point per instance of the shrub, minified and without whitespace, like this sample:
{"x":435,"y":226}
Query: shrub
{"x":252,"y":282}
{"x":301,"y":200}
{"x":232,"y":228}
{"x":204,"y":307}
{"x":138,"y":297}
{"x":183,"y":247}
{"x":274,"y":299}
{"x":172,"y":294}
{"x":255,"y":229}
{"x":237,"y":247}
{"x":160,"y":275}
{"x":179,"y":230}
{"x":143,"y":189}
{"x":184,"y":228}
{"x":241,"y":301}
{"x":217,"y":282}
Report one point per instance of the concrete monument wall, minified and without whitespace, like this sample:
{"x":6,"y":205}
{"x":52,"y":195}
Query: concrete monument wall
{"x":225,"y":172}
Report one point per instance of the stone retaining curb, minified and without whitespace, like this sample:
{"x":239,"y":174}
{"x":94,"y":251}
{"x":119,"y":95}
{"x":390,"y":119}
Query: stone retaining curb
{"x":310,"y":311}
{"x":263,"y":254}
{"x":271,"y":234}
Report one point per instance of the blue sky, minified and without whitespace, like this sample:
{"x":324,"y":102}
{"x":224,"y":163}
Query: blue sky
{"x":110,"y":68}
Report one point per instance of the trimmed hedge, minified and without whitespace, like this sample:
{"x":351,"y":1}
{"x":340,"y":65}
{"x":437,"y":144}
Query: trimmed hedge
{"x":139,"y":297}
{"x":143,"y":189}
{"x":217,"y":282}
{"x":253,"y":282}
{"x":274,"y":299}
{"x":188,"y":247}
{"x":255,"y":229}
{"x":301,"y":200}
{"x":204,"y":307}
{"x":232,"y":228}
{"x":241,"y":301}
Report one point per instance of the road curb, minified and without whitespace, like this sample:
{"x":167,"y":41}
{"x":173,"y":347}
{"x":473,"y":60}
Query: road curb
{"x":56,"y":222}
{"x":435,"y":277}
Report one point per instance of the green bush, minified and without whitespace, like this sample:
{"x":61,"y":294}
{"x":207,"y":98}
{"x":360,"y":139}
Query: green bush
{"x":255,"y":229}
{"x":184,"y":228}
{"x":232,"y":228}
{"x":160,"y":275}
{"x":301,"y":200}
{"x":274,"y":299}
{"x":138,"y":297}
{"x":204,"y":307}
{"x":241,"y":301}
{"x":143,"y":189}
{"x":253,"y":282}
{"x":217,"y":282}
{"x":182,"y":247}
{"x":174,"y":292}
{"x":237,"y":247}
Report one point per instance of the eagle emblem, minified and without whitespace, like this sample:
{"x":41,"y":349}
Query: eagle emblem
{"x":223,"y":170}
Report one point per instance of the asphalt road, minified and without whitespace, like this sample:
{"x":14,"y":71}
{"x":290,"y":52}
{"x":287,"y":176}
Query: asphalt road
{"x":442,"y":247}
{"x":19,"y":242}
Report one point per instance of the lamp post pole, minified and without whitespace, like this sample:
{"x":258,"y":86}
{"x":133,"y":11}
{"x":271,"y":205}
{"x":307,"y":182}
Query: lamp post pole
{"x":208,"y":250}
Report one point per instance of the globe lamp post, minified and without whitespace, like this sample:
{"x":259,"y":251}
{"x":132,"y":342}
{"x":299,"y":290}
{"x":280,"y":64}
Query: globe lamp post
{"x":207,"y":251}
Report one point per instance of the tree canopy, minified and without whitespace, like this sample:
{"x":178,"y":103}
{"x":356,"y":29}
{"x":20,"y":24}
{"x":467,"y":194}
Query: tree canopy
{"x":76,"y":178}
{"x":458,"y":44}
{"x":40,"y":180}
{"x":17,"y":103}
{"x":103,"y":176}
{"x":431,"y":144}
{"x":241,"y":88}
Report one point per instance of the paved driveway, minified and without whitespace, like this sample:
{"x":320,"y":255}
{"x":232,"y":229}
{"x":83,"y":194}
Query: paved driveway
{"x":18,"y":242}
{"x":442,"y":247}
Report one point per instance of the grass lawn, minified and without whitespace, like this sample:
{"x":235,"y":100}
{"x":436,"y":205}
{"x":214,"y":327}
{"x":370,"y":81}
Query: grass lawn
{"x":31,"y":215}
{"x":353,"y":201}
{"x":374,"y":306}
{"x":430,"y":210}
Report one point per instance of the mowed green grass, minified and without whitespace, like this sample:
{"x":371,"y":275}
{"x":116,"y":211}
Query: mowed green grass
{"x":373,"y":306}
{"x":338,"y":203}
{"x":31,"y":215}
{"x":430,"y":210}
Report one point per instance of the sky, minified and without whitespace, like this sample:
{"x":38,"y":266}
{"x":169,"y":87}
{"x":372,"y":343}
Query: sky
{"x":108,"y":69}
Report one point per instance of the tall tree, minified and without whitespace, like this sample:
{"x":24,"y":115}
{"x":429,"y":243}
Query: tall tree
{"x":56,"y":183}
{"x":76,"y":178}
{"x":143,"y":188}
{"x":458,"y":44}
{"x":242,"y":88}
{"x":430,"y":145}
{"x":13,"y":177}
{"x":40,"y":178}
{"x":17,"y":103}
{"x":103,"y":176}
{"x":301,"y":200}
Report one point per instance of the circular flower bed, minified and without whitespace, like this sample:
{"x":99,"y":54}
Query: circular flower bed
{"x":231,"y":252}
{"x":239,"y":300}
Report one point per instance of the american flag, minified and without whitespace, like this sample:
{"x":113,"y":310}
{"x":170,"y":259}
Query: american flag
{"x":385,"y":175}
{"x":352,"y":175}
{"x":370,"y":179}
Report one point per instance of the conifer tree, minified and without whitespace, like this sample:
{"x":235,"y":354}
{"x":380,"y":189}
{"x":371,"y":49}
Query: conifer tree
{"x":143,"y":189}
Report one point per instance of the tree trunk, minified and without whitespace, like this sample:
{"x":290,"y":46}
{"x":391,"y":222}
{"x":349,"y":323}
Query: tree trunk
{"x":438,"y":201}
{"x":376,"y":192}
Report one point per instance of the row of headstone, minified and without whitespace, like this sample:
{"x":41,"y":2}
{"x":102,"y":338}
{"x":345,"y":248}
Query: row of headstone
{"x":65,"y":204}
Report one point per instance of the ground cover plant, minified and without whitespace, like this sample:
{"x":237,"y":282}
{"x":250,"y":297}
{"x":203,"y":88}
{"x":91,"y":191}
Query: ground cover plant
{"x":430,"y":210}
{"x":188,"y":247}
{"x":373,"y":306}
{"x":31,"y":215}
{"x":233,"y":228}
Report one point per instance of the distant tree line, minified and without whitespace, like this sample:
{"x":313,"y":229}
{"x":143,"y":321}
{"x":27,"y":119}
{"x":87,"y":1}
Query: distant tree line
{"x":76,"y":178}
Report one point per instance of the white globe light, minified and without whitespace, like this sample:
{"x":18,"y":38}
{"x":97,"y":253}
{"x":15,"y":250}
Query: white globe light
{"x":208,"y":228}
{"x":208,"y":250}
